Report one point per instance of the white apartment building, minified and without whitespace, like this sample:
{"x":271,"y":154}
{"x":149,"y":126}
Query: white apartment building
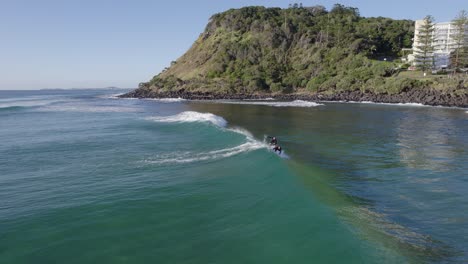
{"x":443,"y":42}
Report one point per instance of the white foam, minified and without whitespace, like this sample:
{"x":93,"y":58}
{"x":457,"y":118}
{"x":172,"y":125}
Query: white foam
{"x":111,"y":96}
{"x":242,"y":131}
{"x":397,"y":104}
{"x":370,"y":102}
{"x":263,"y":99}
{"x":191,"y":116}
{"x":295,"y":103}
{"x":168,"y":100}
{"x":189,"y":157}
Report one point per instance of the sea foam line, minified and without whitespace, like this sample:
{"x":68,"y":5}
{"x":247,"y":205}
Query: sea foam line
{"x":261,"y":99}
{"x":397,"y":104}
{"x":167,"y":100}
{"x":295,"y":103}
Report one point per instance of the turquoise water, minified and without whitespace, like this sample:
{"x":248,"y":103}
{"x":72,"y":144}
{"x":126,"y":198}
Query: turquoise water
{"x":87,"y":178}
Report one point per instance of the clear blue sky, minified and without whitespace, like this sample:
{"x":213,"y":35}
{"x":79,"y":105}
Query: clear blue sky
{"x":99,"y":43}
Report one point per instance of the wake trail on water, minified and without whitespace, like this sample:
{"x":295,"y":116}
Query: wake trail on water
{"x":189,"y":157}
{"x":250,"y":143}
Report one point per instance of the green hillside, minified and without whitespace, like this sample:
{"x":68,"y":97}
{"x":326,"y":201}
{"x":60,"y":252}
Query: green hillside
{"x":309,"y":49}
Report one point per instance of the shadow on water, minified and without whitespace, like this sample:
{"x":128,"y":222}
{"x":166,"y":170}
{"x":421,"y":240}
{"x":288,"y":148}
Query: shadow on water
{"x":368,"y":224}
{"x":339,"y":153}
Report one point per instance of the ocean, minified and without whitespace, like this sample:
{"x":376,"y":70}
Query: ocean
{"x":86,"y":177}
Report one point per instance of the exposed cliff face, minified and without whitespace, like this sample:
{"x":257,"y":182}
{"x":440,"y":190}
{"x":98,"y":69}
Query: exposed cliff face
{"x":258,"y":50}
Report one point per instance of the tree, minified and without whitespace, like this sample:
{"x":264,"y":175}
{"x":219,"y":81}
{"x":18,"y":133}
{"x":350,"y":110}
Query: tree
{"x":460,"y":42}
{"x":424,"y":49}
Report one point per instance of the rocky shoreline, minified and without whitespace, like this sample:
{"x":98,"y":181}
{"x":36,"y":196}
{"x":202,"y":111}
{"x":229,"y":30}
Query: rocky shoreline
{"x":420,"y":96}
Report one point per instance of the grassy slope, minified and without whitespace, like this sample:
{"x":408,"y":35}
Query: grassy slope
{"x":262,"y":50}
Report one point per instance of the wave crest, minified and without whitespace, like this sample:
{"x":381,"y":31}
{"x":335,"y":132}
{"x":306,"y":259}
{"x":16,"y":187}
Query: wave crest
{"x":191,"y":116}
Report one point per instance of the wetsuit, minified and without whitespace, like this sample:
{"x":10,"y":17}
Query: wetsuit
{"x":273,"y":140}
{"x":277,"y":148}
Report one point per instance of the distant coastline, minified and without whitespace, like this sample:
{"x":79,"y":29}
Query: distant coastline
{"x":62,"y":89}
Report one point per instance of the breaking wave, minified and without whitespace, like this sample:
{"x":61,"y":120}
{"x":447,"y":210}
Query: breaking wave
{"x":250,"y":143}
{"x":191,"y":116}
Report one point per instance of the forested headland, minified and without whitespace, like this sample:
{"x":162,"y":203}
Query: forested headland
{"x":306,"y":51}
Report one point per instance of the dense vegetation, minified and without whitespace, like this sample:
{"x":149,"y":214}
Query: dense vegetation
{"x":258,"y":49}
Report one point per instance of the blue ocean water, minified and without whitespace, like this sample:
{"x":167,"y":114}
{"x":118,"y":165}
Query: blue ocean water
{"x":86,"y":177}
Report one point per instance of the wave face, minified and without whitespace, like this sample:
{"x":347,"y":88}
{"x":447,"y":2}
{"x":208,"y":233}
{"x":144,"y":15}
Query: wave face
{"x":295,"y":103}
{"x":248,"y":143}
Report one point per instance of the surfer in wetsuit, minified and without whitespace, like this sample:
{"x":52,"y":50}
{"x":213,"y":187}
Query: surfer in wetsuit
{"x":273,"y":140}
{"x":277,"y":148}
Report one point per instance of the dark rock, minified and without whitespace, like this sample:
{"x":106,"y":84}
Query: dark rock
{"x":428,"y":97}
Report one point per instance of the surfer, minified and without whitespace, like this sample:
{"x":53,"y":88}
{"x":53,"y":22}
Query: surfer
{"x":273,"y":140}
{"x":277,"y":148}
